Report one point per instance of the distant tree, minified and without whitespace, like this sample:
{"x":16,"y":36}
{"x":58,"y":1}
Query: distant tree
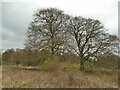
{"x":47,"y":31}
{"x":89,"y":38}
{"x":7,"y":56}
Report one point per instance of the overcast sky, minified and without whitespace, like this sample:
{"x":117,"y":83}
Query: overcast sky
{"x":16,"y":16}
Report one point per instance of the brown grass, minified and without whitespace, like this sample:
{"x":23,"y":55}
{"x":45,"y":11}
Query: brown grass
{"x":14,"y":77}
{"x":0,"y":77}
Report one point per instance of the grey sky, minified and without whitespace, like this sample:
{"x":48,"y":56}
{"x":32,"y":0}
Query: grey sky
{"x":17,"y":15}
{"x":0,"y":26}
{"x":119,"y":20}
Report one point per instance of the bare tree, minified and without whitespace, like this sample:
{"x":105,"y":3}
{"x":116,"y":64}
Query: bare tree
{"x":89,"y":38}
{"x":47,"y":30}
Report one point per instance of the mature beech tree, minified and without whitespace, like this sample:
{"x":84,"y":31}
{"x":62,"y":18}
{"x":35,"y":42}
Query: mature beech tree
{"x":89,"y":38}
{"x":47,"y":31}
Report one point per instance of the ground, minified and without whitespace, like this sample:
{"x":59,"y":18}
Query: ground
{"x":17,"y":77}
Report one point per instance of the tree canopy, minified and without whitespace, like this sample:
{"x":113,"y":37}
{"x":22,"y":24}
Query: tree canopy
{"x":46,"y":31}
{"x":90,"y":38}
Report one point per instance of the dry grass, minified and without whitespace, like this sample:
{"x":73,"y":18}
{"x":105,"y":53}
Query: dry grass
{"x":30,"y":78}
{"x":0,"y":77}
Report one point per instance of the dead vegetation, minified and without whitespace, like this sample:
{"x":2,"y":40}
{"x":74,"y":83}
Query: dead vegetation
{"x":24,"y":77}
{"x":0,"y":77}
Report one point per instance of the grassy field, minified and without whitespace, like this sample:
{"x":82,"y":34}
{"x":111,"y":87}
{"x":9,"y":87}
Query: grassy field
{"x":35,"y":77}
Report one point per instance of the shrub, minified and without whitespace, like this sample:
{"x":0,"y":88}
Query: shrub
{"x":67,"y":66}
{"x":17,"y":62}
{"x":52,"y":63}
{"x":30,"y":62}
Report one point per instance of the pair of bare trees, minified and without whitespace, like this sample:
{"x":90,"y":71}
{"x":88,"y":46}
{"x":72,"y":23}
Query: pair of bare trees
{"x":53,"y":30}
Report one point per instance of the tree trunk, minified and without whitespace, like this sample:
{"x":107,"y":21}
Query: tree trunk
{"x":82,"y":65}
{"x":52,"y":49}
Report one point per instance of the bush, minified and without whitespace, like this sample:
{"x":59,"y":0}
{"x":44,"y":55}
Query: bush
{"x":17,"y":62}
{"x":52,"y":63}
{"x":30,"y":63}
{"x":68,"y":66}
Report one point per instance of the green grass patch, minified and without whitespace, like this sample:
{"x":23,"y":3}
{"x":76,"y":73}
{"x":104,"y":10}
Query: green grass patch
{"x":69,"y":66}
